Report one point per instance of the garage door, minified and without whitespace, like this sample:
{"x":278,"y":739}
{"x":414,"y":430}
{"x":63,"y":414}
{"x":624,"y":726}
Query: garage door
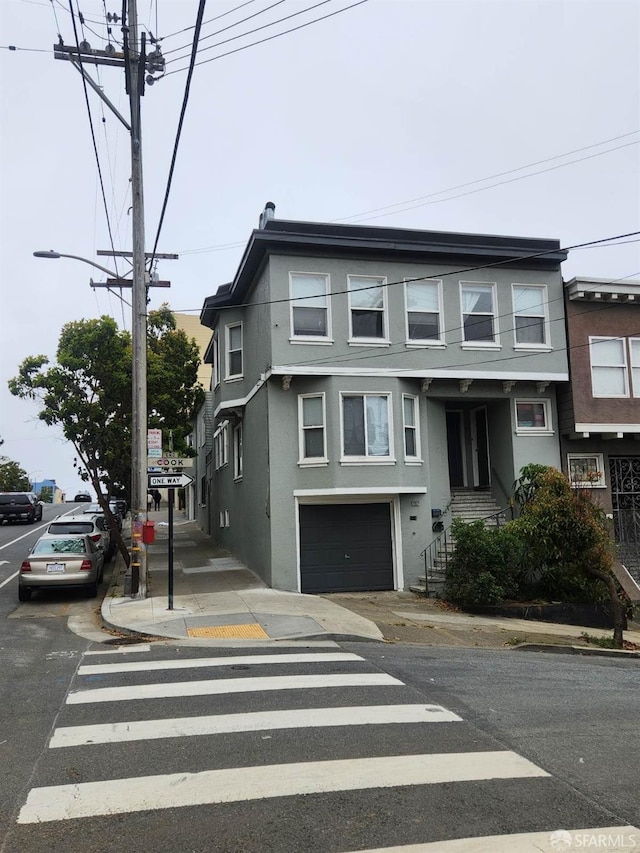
{"x":345,"y":547}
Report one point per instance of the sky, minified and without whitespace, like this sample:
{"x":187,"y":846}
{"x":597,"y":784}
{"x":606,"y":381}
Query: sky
{"x":519,"y":117}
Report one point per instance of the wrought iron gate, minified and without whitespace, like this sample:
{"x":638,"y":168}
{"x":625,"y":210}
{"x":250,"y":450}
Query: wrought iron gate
{"x":625,"y":498}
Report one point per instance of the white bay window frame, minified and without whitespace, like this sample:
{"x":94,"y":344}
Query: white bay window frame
{"x":473,"y":306}
{"x":232,"y":349}
{"x":307,"y":425}
{"x":368,"y":295}
{"x":411,"y":428}
{"x":414,"y":311}
{"x":530,"y":313}
{"x":374,"y":431}
{"x":608,"y":368}
{"x":537,"y":406}
{"x":310,"y":297}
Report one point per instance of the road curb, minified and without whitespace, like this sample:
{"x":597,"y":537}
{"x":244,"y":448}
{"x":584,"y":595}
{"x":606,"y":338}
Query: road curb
{"x":576,"y":650}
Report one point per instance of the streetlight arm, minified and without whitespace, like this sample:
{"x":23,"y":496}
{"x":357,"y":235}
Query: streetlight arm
{"x":52,"y":254}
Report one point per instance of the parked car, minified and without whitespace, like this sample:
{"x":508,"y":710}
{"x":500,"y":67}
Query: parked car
{"x":93,"y":526}
{"x":20,"y":506}
{"x":83,"y":497}
{"x":121,"y":504}
{"x":61,"y":561}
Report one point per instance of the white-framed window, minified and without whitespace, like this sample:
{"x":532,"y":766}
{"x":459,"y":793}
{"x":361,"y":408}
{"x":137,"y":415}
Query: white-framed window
{"x":221,"y":445}
{"x":310,"y":306}
{"x":608,"y":367}
{"x":223,"y":518}
{"x":479,"y":320}
{"x":423,"y":301}
{"x":312,"y":434}
{"x":530,"y":318}
{"x":411,"y":427}
{"x":237,"y":452}
{"x":216,"y":361}
{"x":533,"y":416}
{"x":586,"y":470}
{"x":634,"y":351}
{"x":366,"y":433}
{"x":367,"y":308}
{"x":233,"y":361}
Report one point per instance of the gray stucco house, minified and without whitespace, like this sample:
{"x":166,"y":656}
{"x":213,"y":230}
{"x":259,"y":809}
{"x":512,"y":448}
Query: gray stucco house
{"x":361,"y":375}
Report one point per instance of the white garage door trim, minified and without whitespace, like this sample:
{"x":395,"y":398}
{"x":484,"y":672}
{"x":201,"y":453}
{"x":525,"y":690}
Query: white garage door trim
{"x":357,"y":497}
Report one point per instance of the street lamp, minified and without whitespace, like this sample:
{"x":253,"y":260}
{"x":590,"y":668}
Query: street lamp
{"x":138,"y":417}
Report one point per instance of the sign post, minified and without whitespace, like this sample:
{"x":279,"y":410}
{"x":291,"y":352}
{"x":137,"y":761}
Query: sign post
{"x":170,"y":482}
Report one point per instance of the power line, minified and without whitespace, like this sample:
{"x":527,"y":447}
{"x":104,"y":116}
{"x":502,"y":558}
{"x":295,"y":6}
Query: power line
{"x":275,"y":36}
{"x":489,"y":177}
{"x":217,"y":18}
{"x":194,"y":50}
{"x":223,"y":30}
{"x":93,"y":135}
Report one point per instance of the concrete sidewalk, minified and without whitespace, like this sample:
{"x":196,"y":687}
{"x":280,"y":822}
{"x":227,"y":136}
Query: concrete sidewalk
{"x":217,"y":600}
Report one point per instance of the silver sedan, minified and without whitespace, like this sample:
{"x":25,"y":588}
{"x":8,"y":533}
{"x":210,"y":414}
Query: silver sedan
{"x":61,"y":561}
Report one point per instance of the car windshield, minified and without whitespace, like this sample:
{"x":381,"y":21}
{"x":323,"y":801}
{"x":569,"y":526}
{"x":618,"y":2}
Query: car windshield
{"x":63,"y":527}
{"x":92,"y":509}
{"x":60,"y":546}
{"x":14,"y":499}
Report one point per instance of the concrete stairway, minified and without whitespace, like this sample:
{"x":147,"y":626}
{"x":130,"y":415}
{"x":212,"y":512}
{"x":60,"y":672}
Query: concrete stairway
{"x":468,"y":505}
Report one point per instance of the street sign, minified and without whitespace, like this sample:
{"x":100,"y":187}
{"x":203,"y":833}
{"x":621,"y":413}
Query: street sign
{"x":169,"y":481}
{"x":154,"y":452}
{"x":154,"y":438}
{"x":173,"y":463}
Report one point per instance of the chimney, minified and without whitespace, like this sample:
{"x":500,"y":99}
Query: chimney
{"x":268,"y":213}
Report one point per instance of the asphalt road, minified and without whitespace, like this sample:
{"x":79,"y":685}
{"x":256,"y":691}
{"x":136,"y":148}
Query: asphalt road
{"x":190,"y":751}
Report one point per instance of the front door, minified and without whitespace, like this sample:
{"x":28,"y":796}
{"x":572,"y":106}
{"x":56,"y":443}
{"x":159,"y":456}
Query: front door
{"x":455,"y":435}
{"x":480,"y":448}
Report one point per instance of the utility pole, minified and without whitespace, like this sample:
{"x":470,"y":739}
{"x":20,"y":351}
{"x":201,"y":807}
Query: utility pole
{"x":135,"y":82}
{"x":135,"y":63}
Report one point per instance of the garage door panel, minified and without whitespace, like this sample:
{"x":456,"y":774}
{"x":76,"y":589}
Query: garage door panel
{"x":345,"y":547}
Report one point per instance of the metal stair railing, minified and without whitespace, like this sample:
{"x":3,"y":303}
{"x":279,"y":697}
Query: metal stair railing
{"x":442,"y":547}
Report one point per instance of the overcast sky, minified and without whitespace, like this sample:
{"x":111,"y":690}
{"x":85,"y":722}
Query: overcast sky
{"x":393,"y":104}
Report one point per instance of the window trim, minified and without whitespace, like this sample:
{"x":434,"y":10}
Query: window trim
{"x":495,"y":343}
{"x":586,"y":484}
{"x":547,"y":429}
{"x":369,"y":341}
{"x":594,"y":339}
{"x":238,"y":460}
{"x":311,"y":461}
{"x":231,"y":377}
{"x":216,"y":360}
{"x":546,"y":344}
{"x":221,"y":446}
{"x":310,"y":339}
{"x":368,"y":460}
{"x":635,"y":392}
{"x":417,"y":458}
{"x":425,"y":342}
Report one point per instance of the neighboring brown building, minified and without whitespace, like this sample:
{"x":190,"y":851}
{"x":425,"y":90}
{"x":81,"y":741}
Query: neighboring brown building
{"x":599,"y":410}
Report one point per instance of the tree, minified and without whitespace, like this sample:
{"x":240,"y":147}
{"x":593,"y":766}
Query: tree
{"x":13,"y":478}
{"x":46,"y":495}
{"x":564,"y":530}
{"x":88,"y":393}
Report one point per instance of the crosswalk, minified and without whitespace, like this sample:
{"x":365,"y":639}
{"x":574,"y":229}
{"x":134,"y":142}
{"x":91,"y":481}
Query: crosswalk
{"x":313,"y":750}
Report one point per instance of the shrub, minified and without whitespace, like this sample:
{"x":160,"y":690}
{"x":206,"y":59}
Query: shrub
{"x":486,"y":565}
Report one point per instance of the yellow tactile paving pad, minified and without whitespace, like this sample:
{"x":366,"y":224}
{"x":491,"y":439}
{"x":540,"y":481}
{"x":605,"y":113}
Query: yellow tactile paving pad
{"x":230,"y":632}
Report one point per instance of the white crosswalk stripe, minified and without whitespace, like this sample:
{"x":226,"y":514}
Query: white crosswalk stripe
{"x":330,"y":725}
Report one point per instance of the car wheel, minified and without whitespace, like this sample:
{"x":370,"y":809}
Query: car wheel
{"x":24,"y":593}
{"x":93,"y":590}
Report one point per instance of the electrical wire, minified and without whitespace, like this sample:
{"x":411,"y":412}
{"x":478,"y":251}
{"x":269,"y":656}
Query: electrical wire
{"x":93,"y":135}
{"x":223,"y":30}
{"x":217,"y":18}
{"x":270,"y":38}
{"x":488,"y":177}
{"x":185,"y":100}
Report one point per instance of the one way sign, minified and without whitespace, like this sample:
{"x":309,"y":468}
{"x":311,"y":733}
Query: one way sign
{"x":169,"y":481}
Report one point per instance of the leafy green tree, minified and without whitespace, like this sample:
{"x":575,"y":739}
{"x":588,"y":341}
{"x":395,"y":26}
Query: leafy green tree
{"x":88,"y":393}
{"x":13,"y":478}
{"x":566,"y":533}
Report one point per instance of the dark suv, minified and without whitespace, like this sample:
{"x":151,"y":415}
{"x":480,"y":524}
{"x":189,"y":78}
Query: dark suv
{"x":20,"y":506}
